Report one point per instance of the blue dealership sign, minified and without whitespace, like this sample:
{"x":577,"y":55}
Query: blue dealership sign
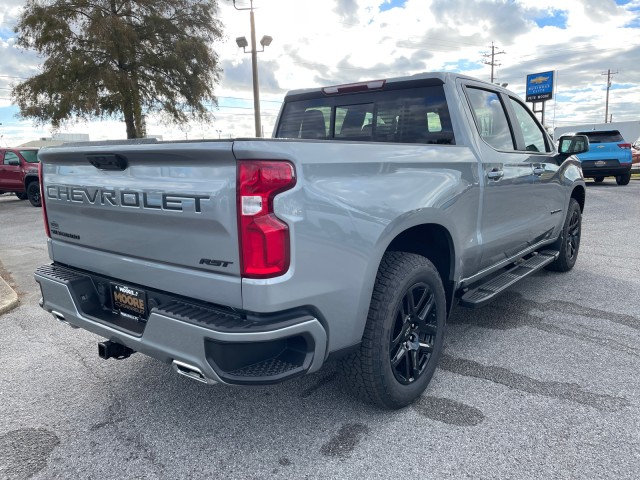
{"x":539,"y":86}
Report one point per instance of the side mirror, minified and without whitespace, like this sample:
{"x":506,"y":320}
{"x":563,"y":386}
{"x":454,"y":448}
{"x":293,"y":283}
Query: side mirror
{"x":13,"y":161}
{"x":573,"y":144}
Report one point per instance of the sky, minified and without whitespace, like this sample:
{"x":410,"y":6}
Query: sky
{"x":321,"y":43}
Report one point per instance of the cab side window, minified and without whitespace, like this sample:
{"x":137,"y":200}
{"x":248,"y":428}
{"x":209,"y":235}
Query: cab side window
{"x":491,"y":118}
{"x":534,"y":137}
{"x":11,"y":158}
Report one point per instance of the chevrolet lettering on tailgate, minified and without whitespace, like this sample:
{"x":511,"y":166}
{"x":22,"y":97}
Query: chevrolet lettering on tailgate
{"x":125,"y":198}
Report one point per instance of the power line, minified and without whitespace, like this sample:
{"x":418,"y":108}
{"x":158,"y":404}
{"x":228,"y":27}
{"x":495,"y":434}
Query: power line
{"x":493,"y":62}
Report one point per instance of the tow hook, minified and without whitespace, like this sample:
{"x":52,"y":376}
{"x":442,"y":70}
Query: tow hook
{"x":115,"y":350}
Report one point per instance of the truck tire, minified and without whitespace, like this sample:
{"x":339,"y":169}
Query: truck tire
{"x":598,"y":179}
{"x":33,"y":192}
{"x":623,"y":179}
{"x":569,"y":242}
{"x":22,"y":195}
{"x":404,"y":333}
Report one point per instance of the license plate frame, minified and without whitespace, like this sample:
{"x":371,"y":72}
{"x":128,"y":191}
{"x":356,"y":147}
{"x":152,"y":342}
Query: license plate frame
{"x":129,"y":301}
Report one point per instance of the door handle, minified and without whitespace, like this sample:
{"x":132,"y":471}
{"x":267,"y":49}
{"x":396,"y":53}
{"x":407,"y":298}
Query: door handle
{"x":538,"y":171}
{"x":495,"y":174}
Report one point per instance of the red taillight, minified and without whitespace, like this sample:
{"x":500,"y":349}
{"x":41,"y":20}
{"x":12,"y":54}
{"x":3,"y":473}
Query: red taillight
{"x":44,"y":206}
{"x":625,"y":145}
{"x":264,"y":238}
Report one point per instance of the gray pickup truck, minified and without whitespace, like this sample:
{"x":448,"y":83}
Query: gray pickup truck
{"x":376,"y":208}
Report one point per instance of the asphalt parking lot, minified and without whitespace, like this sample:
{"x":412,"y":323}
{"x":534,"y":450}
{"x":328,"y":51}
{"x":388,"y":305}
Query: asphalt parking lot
{"x":542,"y":383}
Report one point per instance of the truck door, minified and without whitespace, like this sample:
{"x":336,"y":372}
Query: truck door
{"x":549,"y":200}
{"x":10,"y":172}
{"x":507,"y":177}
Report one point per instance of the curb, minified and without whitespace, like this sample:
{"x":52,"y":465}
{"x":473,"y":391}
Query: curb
{"x":8,"y":298}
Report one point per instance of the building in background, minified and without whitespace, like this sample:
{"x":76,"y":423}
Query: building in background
{"x":57,"y":139}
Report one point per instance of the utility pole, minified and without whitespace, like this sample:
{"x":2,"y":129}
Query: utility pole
{"x":493,"y":62}
{"x":242,"y":43}
{"x":609,"y":73}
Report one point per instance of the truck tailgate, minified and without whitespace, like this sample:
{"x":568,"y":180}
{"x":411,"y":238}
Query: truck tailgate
{"x":159,"y":215}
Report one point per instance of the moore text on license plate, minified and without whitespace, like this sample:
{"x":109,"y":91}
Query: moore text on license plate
{"x":130,"y":302}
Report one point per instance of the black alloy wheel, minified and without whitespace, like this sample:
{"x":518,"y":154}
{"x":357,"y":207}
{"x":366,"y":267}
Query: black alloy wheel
{"x":404,"y":334}
{"x":568,"y":244}
{"x":413,"y":334}
{"x":573,"y":235}
{"x":33,"y":192}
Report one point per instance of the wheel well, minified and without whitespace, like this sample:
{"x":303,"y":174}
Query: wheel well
{"x":579,"y":194}
{"x":28,"y":181}
{"x":433,"y":242}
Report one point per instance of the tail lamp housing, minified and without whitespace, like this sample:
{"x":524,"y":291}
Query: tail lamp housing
{"x":42,"y":202}
{"x":264,"y":238}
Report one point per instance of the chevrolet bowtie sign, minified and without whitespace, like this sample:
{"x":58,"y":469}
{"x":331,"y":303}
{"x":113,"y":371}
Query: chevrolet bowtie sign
{"x":539,"y":87}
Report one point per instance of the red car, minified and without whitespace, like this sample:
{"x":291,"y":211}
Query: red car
{"x":635,"y":156}
{"x":19,"y":173}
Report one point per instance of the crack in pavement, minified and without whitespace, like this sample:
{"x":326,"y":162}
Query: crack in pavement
{"x":513,"y":312}
{"x":558,"y":390}
{"x":115,"y":415}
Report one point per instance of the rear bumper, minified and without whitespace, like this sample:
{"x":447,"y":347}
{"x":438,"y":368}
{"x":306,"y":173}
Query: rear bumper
{"x":606,"y":171}
{"x":223,"y":346}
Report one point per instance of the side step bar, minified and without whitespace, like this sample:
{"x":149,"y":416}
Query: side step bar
{"x":479,"y":295}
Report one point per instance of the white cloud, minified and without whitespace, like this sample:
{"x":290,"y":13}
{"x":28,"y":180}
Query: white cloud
{"x":318,"y":43}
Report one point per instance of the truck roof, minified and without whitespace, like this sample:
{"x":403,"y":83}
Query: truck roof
{"x":442,"y":77}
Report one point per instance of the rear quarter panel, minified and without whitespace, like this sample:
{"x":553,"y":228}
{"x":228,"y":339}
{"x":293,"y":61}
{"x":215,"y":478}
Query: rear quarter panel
{"x":350,"y":201}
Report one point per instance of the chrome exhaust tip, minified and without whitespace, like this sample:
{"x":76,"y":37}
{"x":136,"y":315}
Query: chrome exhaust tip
{"x":189,"y":371}
{"x":60,"y":317}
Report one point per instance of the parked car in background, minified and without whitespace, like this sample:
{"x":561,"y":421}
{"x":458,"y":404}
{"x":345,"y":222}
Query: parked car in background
{"x":609,"y":155}
{"x":19,"y":173}
{"x":635,"y":156}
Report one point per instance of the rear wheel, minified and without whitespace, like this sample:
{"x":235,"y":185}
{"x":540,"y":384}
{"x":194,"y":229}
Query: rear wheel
{"x":403,"y":336}
{"x":623,"y":179}
{"x":598,"y":179}
{"x":569,"y":242}
{"x":22,"y":195}
{"x":33,"y":192}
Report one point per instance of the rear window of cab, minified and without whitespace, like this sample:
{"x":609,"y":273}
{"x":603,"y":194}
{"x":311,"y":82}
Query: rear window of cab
{"x":411,"y":115}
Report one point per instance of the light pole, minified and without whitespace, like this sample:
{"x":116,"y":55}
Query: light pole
{"x":242,"y":43}
{"x":219,"y":132}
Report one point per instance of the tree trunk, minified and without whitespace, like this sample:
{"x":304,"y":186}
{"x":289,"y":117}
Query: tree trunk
{"x":131,"y":128}
{"x":130,"y":121}
{"x":133,"y":113}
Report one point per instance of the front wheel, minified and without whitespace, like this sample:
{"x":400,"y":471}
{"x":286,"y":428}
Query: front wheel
{"x":33,"y":192}
{"x":623,"y":179}
{"x":404,"y":333}
{"x":569,"y":242}
{"x":22,"y":195}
